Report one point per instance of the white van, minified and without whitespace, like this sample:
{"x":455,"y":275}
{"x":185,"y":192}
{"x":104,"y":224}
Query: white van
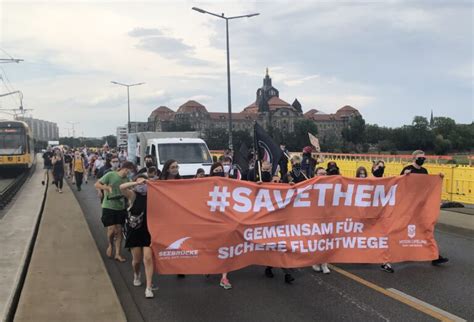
{"x":191,"y":154}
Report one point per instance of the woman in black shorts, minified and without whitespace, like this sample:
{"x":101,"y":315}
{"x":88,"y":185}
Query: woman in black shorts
{"x":137,"y":237}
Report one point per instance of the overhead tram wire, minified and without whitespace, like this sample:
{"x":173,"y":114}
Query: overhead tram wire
{"x":8,"y":86}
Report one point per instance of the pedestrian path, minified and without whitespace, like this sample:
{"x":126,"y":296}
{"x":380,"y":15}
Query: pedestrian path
{"x":67,"y":279}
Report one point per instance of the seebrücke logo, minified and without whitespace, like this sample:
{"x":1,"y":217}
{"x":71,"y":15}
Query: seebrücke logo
{"x":176,"y":250}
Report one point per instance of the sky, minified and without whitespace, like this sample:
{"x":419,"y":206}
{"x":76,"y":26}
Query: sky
{"x":390,"y":59}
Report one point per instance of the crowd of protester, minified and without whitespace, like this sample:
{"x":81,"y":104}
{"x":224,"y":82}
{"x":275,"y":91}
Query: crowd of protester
{"x":122,"y":191}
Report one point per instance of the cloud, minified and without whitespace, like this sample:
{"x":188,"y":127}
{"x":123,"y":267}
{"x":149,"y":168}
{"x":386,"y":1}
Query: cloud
{"x":391,"y":60}
{"x":153,"y":40}
{"x":140,"y":32}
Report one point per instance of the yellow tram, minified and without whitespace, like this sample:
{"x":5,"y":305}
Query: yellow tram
{"x":16,"y":145}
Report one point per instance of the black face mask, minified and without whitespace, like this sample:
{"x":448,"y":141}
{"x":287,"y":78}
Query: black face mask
{"x":149,"y":164}
{"x":266,"y":176}
{"x":379,"y":172}
{"x":420,"y":161}
{"x":218,"y":174}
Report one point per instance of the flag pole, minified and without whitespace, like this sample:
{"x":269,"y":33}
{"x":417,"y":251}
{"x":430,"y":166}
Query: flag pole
{"x":255,"y":143}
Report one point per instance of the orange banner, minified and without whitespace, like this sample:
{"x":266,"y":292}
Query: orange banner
{"x":216,"y":225}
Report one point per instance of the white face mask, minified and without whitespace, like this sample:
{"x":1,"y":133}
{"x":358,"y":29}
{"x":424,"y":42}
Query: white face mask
{"x":226,"y":168}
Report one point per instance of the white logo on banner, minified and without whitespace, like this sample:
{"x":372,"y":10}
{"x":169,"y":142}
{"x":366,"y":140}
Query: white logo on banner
{"x":411,"y":231}
{"x":175,"y":250}
{"x":177,"y":244}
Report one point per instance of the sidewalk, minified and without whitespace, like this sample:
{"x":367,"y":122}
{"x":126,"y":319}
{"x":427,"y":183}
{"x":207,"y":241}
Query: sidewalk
{"x":67,"y":279}
{"x":456,"y":219}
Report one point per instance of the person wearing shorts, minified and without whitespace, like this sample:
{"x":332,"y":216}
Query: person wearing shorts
{"x":114,"y":210}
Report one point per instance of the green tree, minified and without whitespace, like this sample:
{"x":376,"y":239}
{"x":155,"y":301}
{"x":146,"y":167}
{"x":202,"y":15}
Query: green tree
{"x":443,"y":126}
{"x":354,"y":131}
{"x":441,"y":145}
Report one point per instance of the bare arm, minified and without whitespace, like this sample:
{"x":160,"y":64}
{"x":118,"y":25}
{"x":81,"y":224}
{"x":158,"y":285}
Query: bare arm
{"x":100,"y":186}
{"x":125,"y":189}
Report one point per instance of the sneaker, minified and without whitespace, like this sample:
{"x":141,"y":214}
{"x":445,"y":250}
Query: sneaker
{"x":289,"y":278}
{"x":149,"y":293}
{"x":387,"y":268}
{"x":325,"y":268}
{"x":136,"y":280}
{"x":225,"y":284}
{"x":154,"y":288}
{"x":316,"y":268}
{"x":60,"y":191}
{"x":269,"y":272}
{"x":440,"y":260}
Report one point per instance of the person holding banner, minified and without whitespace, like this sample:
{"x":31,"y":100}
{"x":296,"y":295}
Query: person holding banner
{"x":308,"y":164}
{"x":217,"y":170}
{"x":361,"y":172}
{"x":320,"y":171}
{"x":295,"y":175}
{"x":283,"y":163}
{"x":378,"y":169}
{"x":171,"y":172}
{"x":137,"y":237}
{"x":267,"y":177}
{"x":417,"y":168}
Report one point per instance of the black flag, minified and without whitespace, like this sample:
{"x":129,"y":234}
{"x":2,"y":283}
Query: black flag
{"x":267,"y":149}
{"x":241,"y":164}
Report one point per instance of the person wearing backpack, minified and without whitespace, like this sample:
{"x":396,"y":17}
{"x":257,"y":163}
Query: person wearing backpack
{"x":137,"y":236}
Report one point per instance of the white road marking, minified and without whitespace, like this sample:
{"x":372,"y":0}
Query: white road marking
{"x":431,"y":307}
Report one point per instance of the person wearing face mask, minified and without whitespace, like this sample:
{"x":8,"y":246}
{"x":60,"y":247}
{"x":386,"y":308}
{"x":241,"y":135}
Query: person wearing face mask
{"x":58,"y":170}
{"x":152,"y":173}
{"x":137,"y":236}
{"x":200,"y":173}
{"x":217,"y":170}
{"x":308,"y":163}
{"x":333,"y":169}
{"x":378,"y":169}
{"x":361,"y":172}
{"x":417,"y":168}
{"x":283,"y":163}
{"x":320,"y":171}
{"x":113,"y":206}
{"x":266,"y":171}
{"x":171,"y":172}
{"x":227,"y":166}
{"x":148,"y":164}
{"x":296,"y":174}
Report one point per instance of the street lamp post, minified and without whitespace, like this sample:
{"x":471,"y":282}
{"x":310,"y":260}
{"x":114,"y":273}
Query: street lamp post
{"x":128,"y":98}
{"x":229,"y":101}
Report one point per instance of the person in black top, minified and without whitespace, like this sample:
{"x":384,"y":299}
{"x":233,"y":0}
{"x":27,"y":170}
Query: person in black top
{"x":308,"y":164}
{"x":295,"y":175}
{"x":47,"y":164}
{"x":58,"y":170}
{"x":378,"y":169}
{"x":148,"y":164}
{"x":266,"y":171}
{"x":333,"y":169}
{"x":417,"y":168}
{"x":137,"y":236}
{"x":283,"y":163}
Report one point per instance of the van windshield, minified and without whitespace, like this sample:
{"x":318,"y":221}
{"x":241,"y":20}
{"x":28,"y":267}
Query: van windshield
{"x":184,"y":153}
